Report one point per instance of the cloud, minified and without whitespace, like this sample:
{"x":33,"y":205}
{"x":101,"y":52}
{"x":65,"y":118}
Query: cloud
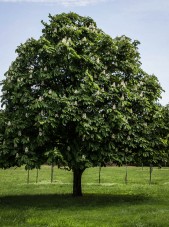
{"x":62,"y":2}
{"x":79,"y":2}
{"x":148,"y":6}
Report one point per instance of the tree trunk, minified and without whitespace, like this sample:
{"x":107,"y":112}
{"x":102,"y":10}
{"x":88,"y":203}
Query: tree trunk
{"x":37,"y":175}
{"x":77,"y":178}
{"x":126,"y":176}
{"x":28,"y":177}
{"x":99,"y":174}
{"x":142,"y":166}
{"x":151,"y":170}
{"x":52,"y":171}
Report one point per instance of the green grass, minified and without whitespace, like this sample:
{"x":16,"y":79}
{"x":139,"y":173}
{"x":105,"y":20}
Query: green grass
{"x":112,"y":203}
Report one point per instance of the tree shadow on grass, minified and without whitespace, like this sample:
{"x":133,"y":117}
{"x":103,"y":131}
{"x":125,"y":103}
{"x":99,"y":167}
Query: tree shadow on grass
{"x":67,"y":201}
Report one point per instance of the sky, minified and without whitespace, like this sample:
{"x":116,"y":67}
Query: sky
{"x":143,"y":20}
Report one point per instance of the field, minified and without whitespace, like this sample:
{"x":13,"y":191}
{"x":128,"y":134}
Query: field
{"x":110,"y":203}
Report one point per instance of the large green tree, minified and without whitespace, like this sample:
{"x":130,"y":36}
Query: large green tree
{"x":79,"y":92}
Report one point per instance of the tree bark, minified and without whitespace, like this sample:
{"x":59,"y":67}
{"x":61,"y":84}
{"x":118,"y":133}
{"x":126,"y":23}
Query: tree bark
{"x":151,"y":170}
{"x":37,"y":175}
{"x":126,"y":176}
{"x":77,"y":180}
{"x":99,"y":173}
{"x":52,"y":171}
{"x":28,"y":177}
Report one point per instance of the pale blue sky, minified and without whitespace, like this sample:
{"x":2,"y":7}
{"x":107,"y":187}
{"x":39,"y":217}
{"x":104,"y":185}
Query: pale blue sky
{"x":144,"y":20}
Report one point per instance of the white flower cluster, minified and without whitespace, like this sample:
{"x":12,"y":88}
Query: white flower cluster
{"x":83,"y":157}
{"x":30,"y":76}
{"x":40,"y":132}
{"x":26,"y":150}
{"x":141,"y":83}
{"x":128,"y":137}
{"x":93,"y":58}
{"x":68,"y":148}
{"x":50,"y":92}
{"x":113,"y":136}
{"x":9,"y":80}
{"x":31,"y":70}
{"x":9,"y":123}
{"x":40,"y":98}
{"x":20,"y":79}
{"x":9,"y":77}
{"x":122,"y":97}
{"x":91,"y":26}
{"x":84,"y":39}
{"x":42,"y":83}
{"x":123,"y":83}
{"x":114,"y":84}
{"x":19,"y":133}
{"x":141,"y":94}
{"x":71,"y":27}
{"x":42,"y":113}
{"x":97,"y":92}
{"x":66,"y":41}
{"x":76,"y":92}
{"x":84,"y":116}
{"x":97,"y":60}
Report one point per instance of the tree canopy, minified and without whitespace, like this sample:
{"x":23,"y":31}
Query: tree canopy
{"x":80,"y":94}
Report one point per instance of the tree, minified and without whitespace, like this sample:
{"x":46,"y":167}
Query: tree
{"x":78,"y":91}
{"x":151,"y":147}
{"x":164,"y":132}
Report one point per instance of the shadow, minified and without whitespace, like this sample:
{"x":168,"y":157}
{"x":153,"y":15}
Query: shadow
{"x":67,"y":201}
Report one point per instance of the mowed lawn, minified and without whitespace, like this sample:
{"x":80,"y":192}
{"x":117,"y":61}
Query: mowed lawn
{"x":110,"y":203}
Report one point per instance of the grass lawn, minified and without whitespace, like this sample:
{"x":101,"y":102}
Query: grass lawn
{"x":108,"y":204}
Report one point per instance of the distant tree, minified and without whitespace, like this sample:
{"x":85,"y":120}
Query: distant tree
{"x":162,"y":130}
{"x":80,"y":92}
{"x":153,"y":149}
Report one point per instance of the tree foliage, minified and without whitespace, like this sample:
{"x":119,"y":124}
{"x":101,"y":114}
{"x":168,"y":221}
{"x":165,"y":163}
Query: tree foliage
{"x":81,"y":93}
